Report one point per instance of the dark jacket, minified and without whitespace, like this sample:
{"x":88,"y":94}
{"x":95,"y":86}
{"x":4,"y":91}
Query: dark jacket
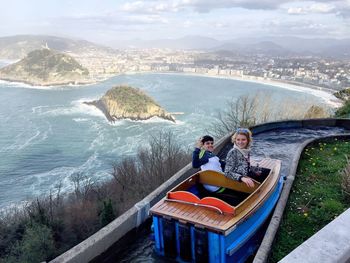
{"x":201,"y":157}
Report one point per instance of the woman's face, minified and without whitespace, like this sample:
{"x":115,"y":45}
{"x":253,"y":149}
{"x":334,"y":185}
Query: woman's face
{"x":241,"y":141}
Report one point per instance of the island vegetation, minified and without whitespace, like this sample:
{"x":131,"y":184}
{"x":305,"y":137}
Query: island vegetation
{"x":125,"y":102}
{"x":46,"y":67}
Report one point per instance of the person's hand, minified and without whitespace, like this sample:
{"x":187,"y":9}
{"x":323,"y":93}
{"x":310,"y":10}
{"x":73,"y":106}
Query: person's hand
{"x":249,"y":182}
{"x":199,"y":143}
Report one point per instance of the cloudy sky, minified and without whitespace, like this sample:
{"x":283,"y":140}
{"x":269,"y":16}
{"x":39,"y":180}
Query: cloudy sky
{"x":107,"y":21}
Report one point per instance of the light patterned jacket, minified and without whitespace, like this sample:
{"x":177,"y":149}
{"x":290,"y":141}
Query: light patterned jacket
{"x":237,"y":165}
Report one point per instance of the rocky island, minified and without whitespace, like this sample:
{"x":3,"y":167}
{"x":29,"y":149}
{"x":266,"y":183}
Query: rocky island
{"x":125,"y":102}
{"x":46,"y":67}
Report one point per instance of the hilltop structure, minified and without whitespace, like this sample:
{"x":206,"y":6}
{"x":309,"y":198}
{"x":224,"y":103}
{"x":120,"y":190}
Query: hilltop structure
{"x":46,"y":67}
{"x":125,"y":102}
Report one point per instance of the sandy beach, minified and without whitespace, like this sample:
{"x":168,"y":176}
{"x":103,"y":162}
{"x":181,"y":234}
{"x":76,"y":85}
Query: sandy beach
{"x":325,"y":94}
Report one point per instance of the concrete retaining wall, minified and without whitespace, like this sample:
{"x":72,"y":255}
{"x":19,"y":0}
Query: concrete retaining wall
{"x":98,"y":243}
{"x":330,"y":244}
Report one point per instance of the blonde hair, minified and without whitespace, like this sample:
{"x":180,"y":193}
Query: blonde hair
{"x":243,"y":131}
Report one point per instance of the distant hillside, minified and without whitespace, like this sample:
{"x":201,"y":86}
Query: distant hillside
{"x":289,"y":46}
{"x":264,"y":47}
{"x":124,"y":102}
{"x":183,"y":43}
{"x":17,"y":47}
{"x":275,"y":46}
{"x":46,"y":67}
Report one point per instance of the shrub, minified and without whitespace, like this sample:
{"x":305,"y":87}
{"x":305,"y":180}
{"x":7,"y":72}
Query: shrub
{"x":249,"y":110}
{"x":345,"y":185}
{"x":107,"y":214}
{"x":37,"y":245}
{"x":343,"y":111}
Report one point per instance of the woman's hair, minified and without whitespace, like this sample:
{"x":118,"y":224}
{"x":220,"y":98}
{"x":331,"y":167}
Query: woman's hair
{"x":243,"y":131}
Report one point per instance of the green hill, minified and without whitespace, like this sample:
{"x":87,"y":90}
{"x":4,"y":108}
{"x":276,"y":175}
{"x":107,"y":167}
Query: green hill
{"x":46,"y":67}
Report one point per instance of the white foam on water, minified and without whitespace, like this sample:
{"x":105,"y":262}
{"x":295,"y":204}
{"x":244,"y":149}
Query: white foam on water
{"x":118,"y":122}
{"x":97,"y":142}
{"x":63,"y":174}
{"x":77,"y":107}
{"x":178,"y":122}
{"x":12,"y":208}
{"x":80,"y":107}
{"x":156,"y":120}
{"x":17,"y":84}
{"x":22,"y":85}
{"x":28,"y":138}
{"x":150,"y":120}
{"x":39,"y":109}
{"x":80,"y":119}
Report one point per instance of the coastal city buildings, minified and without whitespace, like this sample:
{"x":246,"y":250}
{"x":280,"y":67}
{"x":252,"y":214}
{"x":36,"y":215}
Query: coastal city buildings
{"x":329,"y":73}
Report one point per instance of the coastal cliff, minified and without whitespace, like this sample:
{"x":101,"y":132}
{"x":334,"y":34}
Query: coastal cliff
{"x":124,"y":102}
{"x":46,"y":67}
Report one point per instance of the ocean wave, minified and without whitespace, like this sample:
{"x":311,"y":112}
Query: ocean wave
{"x":119,"y":122}
{"x":150,"y":120}
{"x":80,"y":119}
{"x":28,"y":138}
{"x":15,"y":84}
{"x":76,"y":107}
{"x":80,"y":107}
{"x":100,"y":138}
{"x":63,"y":175}
{"x":12,"y":208}
{"x":41,"y":109}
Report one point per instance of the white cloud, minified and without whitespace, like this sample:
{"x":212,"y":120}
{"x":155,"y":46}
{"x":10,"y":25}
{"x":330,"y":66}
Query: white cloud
{"x":205,"y":6}
{"x":301,"y":27}
{"x":316,"y":8}
{"x":133,"y":6}
{"x":322,"y":8}
{"x":187,"y":24}
{"x":156,"y":7}
{"x":177,"y":18}
{"x":296,"y":11}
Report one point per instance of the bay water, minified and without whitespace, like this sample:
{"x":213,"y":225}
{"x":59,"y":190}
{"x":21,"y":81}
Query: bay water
{"x":47,"y":134}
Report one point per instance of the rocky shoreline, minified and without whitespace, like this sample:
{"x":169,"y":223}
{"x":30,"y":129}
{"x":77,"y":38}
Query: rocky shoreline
{"x":49,"y":84}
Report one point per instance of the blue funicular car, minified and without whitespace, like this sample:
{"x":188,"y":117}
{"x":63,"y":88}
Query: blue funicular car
{"x":192,"y":228}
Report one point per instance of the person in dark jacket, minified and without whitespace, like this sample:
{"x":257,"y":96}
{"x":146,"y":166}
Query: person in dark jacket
{"x":204,"y":158}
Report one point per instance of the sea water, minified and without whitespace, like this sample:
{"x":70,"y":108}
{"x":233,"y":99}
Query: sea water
{"x":47,"y":134}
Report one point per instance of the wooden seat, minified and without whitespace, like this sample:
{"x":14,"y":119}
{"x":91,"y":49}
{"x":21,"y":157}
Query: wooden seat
{"x":209,"y":202}
{"x":219,"y":179}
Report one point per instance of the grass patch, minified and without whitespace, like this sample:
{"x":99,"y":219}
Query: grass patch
{"x":316,"y":197}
